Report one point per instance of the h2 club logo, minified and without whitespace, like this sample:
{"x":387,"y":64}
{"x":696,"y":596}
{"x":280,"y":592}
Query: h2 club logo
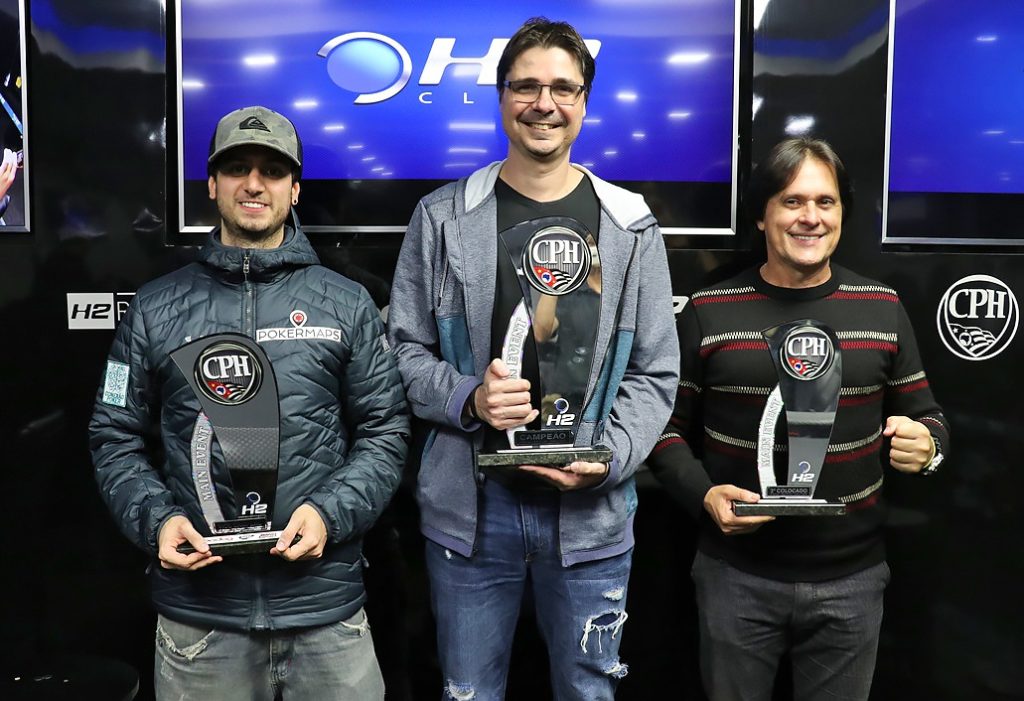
{"x":805,"y":474}
{"x":561,"y":417}
{"x":807,"y":353}
{"x":977,"y":317}
{"x":253,"y":505}
{"x":97,"y":310}
{"x":228,"y":373}
{"x":556,"y":261}
{"x":376,"y":67}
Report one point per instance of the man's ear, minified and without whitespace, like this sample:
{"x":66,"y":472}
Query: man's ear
{"x":211,"y":185}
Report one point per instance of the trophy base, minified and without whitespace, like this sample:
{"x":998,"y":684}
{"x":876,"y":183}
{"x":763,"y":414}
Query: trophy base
{"x":789,"y":507}
{"x":239,"y":543}
{"x":552,"y":457}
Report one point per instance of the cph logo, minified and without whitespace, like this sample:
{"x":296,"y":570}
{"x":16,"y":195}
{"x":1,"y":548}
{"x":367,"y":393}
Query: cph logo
{"x":807,"y":353}
{"x":977,"y":317}
{"x":376,"y":67}
{"x":556,"y":260}
{"x":228,"y":373}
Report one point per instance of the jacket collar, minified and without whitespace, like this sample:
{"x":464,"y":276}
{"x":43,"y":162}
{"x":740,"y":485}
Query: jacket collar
{"x":627,"y":209}
{"x":295,"y":251}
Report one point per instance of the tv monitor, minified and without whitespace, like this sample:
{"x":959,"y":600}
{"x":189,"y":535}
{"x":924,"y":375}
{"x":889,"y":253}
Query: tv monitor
{"x":393,"y":99}
{"x":14,"y":191}
{"x":955,"y":137}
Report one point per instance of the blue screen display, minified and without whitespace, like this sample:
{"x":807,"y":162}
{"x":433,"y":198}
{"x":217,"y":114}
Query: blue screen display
{"x":957,"y":97}
{"x":374,"y":92}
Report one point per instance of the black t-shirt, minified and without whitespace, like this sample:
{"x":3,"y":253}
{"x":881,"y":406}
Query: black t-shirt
{"x":514,"y":208}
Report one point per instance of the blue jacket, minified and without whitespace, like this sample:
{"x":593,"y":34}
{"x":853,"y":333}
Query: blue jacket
{"x":439,"y":324}
{"x":344,"y":429}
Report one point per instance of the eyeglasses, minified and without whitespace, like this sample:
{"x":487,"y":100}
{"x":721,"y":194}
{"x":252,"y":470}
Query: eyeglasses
{"x":529,"y":91}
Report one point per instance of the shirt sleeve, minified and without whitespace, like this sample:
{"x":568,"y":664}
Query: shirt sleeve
{"x":673,"y":460}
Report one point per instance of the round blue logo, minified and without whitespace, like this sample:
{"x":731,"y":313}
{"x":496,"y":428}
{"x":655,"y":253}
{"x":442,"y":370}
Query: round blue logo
{"x":374,"y":66}
{"x":364,"y":65}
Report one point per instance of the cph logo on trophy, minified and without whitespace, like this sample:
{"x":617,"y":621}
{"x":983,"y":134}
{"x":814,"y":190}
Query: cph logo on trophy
{"x":809,"y":365}
{"x":235,"y":384}
{"x":559,"y":272}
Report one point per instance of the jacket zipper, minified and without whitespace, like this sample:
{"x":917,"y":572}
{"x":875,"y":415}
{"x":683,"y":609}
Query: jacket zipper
{"x":592,"y":384}
{"x":444,"y":281}
{"x":248,"y":300}
{"x":260,"y":619}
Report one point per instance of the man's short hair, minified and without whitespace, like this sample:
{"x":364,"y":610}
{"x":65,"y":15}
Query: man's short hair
{"x":258,"y":126}
{"x":542,"y":32}
{"x":779,"y":168}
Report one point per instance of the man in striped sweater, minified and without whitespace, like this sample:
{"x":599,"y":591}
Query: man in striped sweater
{"x":811,"y":586}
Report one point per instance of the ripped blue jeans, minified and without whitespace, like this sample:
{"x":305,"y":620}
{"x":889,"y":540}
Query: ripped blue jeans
{"x":476,"y":601}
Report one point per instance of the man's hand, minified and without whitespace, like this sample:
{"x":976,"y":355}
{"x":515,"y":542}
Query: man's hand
{"x":577,"y":475}
{"x":175,"y":531}
{"x":912,"y":447}
{"x":718,"y":502}
{"x":305,"y":521}
{"x":501,"y":402}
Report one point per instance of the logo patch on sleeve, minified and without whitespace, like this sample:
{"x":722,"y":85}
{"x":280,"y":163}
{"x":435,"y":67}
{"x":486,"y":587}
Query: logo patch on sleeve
{"x":115,"y":384}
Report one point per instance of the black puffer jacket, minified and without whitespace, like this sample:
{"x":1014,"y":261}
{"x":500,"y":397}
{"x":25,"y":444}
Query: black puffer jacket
{"x":344,"y":428}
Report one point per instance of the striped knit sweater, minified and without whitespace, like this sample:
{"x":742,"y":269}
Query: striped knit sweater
{"x":725,"y":380}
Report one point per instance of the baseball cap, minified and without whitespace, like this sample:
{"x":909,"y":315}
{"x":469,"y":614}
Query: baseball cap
{"x":260,"y":126}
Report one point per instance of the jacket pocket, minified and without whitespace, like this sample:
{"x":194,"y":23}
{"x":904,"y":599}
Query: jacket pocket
{"x":450,"y":300}
{"x":183,"y":640}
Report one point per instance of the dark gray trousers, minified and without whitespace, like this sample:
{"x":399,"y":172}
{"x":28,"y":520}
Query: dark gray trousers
{"x":747,"y":623}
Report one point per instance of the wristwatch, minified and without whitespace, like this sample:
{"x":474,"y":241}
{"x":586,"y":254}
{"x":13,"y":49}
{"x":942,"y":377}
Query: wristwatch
{"x":937,"y":457}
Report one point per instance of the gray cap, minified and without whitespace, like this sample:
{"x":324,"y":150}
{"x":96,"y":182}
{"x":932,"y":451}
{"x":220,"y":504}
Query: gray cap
{"x":260,"y":126}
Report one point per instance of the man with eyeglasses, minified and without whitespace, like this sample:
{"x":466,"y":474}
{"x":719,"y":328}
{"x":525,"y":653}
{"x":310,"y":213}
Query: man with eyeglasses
{"x":567,"y":532}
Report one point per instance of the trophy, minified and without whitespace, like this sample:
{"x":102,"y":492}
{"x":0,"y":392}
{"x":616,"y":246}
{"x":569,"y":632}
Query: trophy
{"x":809,"y":364}
{"x":234,"y":382}
{"x":559,"y":272}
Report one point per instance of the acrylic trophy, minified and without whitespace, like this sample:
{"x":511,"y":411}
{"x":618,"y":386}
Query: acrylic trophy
{"x":234,"y":382}
{"x":809,"y":365}
{"x":559,"y":272}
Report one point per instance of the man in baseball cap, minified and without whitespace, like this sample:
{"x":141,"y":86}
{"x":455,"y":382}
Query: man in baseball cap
{"x":254,"y":140}
{"x":290,"y":620}
{"x":260,"y":126}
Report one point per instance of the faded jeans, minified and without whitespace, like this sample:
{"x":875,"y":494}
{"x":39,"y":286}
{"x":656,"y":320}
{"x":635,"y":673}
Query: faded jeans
{"x":316,"y":664}
{"x":830,"y":630}
{"x":476,"y":601}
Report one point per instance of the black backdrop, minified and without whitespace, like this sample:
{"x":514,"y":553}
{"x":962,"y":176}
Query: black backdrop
{"x":72,"y":587}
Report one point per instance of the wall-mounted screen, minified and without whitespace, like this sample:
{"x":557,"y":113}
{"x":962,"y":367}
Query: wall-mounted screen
{"x":955,"y":147}
{"x":393,"y":99}
{"x":14,"y":209}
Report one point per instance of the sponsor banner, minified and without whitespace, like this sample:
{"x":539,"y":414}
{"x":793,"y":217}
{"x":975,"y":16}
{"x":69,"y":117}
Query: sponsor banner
{"x":977,"y":317}
{"x":97,"y":310}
